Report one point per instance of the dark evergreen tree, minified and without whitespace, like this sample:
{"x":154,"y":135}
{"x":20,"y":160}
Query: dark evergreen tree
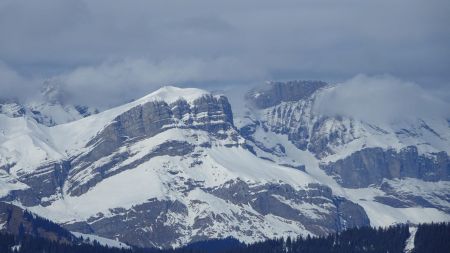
{"x":430,"y":238}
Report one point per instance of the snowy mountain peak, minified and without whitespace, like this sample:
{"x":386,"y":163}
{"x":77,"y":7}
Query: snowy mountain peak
{"x":48,"y":108}
{"x":181,"y":171}
{"x":12,"y":109}
{"x":52,"y":93}
{"x":170,"y":94}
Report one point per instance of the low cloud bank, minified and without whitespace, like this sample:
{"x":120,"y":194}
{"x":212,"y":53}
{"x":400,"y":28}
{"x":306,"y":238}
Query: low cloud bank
{"x":381,"y":100}
{"x":113,"y":83}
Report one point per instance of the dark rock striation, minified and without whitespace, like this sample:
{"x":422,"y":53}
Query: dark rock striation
{"x":152,"y":224}
{"x":277,"y":92}
{"x":372,"y":165}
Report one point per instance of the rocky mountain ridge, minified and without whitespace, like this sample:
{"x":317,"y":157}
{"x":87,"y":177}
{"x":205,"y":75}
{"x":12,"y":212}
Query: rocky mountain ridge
{"x":182,"y":168}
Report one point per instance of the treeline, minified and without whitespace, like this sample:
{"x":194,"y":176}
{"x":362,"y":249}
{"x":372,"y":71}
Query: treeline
{"x":364,"y":239}
{"x":25,"y":243}
{"x":31,"y":244}
{"x":38,"y":222}
{"x":430,"y":238}
{"x":434,"y":237}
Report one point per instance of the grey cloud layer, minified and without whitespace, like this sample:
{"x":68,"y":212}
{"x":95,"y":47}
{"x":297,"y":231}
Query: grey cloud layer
{"x":126,"y":48}
{"x":85,"y":84}
{"x":382,"y":100}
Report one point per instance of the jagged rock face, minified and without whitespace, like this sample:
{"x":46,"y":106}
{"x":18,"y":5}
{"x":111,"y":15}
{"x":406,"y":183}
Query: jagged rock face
{"x":278,"y":92}
{"x":372,"y":165}
{"x":164,"y":223}
{"x":114,"y":166}
{"x":357,"y":154}
{"x":163,"y":171}
{"x":307,"y":131}
{"x":16,"y":221}
{"x":212,"y":114}
{"x":47,"y":109}
{"x":240,"y":208}
{"x":44,"y":182}
{"x":286,"y":202}
{"x":12,"y":109}
{"x":54,"y":114}
{"x":298,"y":118}
{"x":288,"y":108}
{"x":45,"y":113}
{"x":144,"y":225}
{"x":398,"y":196}
{"x":208,"y":113}
{"x":349,"y":214}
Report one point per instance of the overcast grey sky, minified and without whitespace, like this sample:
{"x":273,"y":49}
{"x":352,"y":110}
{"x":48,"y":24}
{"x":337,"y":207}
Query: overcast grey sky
{"x":124,"y":49}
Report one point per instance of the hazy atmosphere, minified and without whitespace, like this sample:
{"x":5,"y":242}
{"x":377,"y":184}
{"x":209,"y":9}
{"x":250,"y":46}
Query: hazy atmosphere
{"x":126,"y":49}
{"x":202,"y":126}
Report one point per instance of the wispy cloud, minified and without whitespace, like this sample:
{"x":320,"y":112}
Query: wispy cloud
{"x":112,"y":83}
{"x":381,"y":100}
{"x":94,"y":44}
{"x":14,"y":86}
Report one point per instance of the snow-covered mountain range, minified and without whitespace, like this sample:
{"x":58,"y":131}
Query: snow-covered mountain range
{"x":49,"y":108}
{"x":178,"y":166}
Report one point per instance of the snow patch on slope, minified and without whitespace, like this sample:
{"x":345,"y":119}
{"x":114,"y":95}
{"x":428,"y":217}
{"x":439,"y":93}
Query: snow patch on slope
{"x":253,"y":168}
{"x":25,"y":144}
{"x":160,"y":176}
{"x":101,"y":240}
{"x":72,"y":136}
{"x":29,"y":144}
{"x":409,"y":247}
{"x":51,"y":114}
{"x":379,"y":214}
{"x":170,"y":94}
{"x":9,"y":183}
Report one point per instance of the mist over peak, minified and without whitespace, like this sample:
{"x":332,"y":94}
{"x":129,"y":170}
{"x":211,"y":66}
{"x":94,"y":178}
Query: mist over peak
{"x":126,"y":50}
{"x":382,"y":100}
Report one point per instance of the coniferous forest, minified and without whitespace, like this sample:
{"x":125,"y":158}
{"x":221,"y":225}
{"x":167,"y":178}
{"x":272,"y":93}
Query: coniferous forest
{"x":429,"y":238}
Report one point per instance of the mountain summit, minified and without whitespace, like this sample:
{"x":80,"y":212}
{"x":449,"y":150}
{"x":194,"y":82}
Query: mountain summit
{"x":176,"y":166}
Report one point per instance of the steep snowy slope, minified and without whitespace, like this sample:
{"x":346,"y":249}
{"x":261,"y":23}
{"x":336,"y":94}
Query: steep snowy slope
{"x":25,"y":144}
{"x":28,"y":143}
{"x":51,"y":114}
{"x":175,"y":166}
{"x":297,"y":116}
{"x":165,"y":170}
{"x":372,"y":165}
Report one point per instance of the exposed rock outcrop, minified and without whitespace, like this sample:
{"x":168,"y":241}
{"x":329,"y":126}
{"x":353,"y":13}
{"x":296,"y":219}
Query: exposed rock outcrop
{"x":372,"y":165}
{"x":165,"y":223}
{"x":14,"y":220}
{"x":276,"y":92}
